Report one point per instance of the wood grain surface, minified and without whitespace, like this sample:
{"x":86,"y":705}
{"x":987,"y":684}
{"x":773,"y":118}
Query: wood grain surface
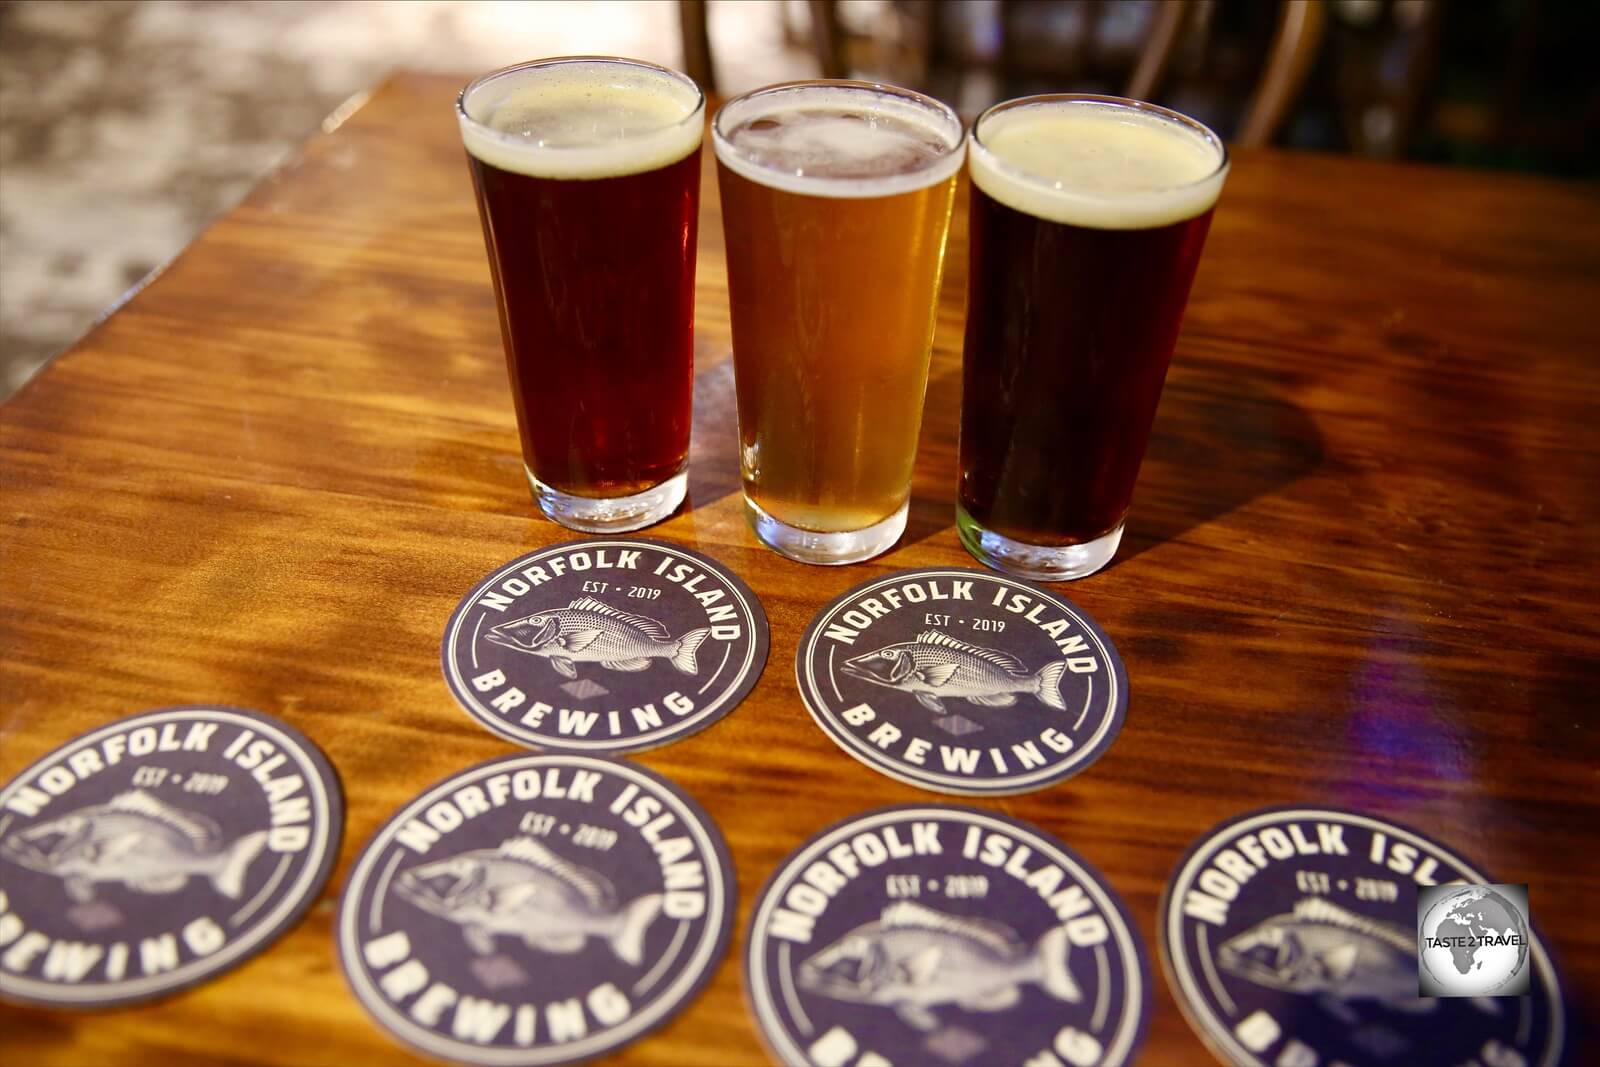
{"x":1361,"y":567}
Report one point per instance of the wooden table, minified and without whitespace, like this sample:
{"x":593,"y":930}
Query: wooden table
{"x":1361,"y":568}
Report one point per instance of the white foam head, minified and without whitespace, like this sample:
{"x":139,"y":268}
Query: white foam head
{"x":839,"y":139}
{"x":583,"y":117}
{"x":1098,"y":162}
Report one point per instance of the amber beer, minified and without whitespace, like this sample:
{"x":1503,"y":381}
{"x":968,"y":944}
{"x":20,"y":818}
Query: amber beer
{"x":587,"y":172}
{"x":1088,"y":217}
{"x":836,"y":200}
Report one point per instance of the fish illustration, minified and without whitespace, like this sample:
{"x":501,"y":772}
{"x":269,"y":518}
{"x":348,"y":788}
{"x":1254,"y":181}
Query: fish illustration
{"x":1323,"y":949}
{"x":588,"y":631}
{"x":913,"y":959}
{"x":139,"y":840}
{"x":523,"y":889}
{"x":936,"y":667}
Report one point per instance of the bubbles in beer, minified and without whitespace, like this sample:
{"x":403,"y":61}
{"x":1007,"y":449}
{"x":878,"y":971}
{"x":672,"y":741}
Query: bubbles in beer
{"x":1100,"y":148}
{"x":837,"y":144}
{"x":1104,"y":166}
{"x":839,"y":140}
{"x":581,"y":119}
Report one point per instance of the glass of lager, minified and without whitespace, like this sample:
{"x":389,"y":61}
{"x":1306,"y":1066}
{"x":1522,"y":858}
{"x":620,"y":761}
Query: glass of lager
{"x":836,"y":200}
{"x":1088,"y":217}
{"x":587,"y":171}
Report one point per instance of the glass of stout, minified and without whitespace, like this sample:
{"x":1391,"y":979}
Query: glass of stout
{"x":587,"y":171}
{"x":1088,"y":217}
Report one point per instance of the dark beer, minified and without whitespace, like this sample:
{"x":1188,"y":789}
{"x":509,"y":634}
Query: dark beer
{"x":588,"y":181}
{"x":1087,"y":222}
{"x":836,"y":198}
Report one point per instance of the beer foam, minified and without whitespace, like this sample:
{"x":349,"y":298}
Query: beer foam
{"x":839,"y":140}
{"x":1100,"y":165}
{"x":581,"y":119}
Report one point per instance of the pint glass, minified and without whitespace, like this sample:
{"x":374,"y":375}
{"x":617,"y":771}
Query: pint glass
{"x":1088,"y":217}
{"x":836,"y":201}
{"x":587,"y":172}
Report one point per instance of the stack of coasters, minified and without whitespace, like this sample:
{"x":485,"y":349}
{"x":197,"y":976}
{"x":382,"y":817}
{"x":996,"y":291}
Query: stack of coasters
{"x":963,"y":681}
{"x":937,"y":934}
{"x":159,"y":851}
{"x":536,"y":909}
{"x":1290,"y":936}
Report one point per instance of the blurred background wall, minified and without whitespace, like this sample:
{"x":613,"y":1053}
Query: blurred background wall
{"x":126,"y":126}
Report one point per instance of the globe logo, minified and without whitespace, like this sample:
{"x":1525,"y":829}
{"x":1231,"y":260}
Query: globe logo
{"x":1474,"y":941}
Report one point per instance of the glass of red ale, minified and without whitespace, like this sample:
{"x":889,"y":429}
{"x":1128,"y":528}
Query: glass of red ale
{"x":587,"y":171}
{"x":1088,"y":217}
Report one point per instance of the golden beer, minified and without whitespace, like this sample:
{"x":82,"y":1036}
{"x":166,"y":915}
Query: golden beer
{"x":836,"y":201}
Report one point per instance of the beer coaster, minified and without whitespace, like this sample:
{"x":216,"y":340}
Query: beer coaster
{"x":943,"y":935}
{"x":605,"y":646}
{"x":536,"y":909}
{"x":963,"y":681}
{"x":158,"y":851}
{"x":1289,"y":936}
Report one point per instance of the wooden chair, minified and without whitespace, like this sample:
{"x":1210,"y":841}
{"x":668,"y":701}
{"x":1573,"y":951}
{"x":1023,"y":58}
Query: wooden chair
{"x":1294,"y":48}
{"x":828,"y":39}
{"x":1296,"y":43}
{"x":697,"y":44}
{"x":1155,"y":60}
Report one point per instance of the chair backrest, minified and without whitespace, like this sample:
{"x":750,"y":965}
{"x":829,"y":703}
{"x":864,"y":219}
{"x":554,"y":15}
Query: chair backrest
{"x":1297,"y":40}
{"x":1294,"y":49}
{"x":697,"y":44}
{"x":1155,"y":59}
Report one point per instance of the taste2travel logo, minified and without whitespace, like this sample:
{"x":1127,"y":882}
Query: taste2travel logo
{"x":1472,"y":941}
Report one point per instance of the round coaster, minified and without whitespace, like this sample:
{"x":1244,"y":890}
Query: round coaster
{"x":1289,"y":936}
{"x":605,"y":646}
{"x":943,"y":935}
{"x":963,"y":681}
{"x":158,"y":851}
{"x":536,"y":909}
